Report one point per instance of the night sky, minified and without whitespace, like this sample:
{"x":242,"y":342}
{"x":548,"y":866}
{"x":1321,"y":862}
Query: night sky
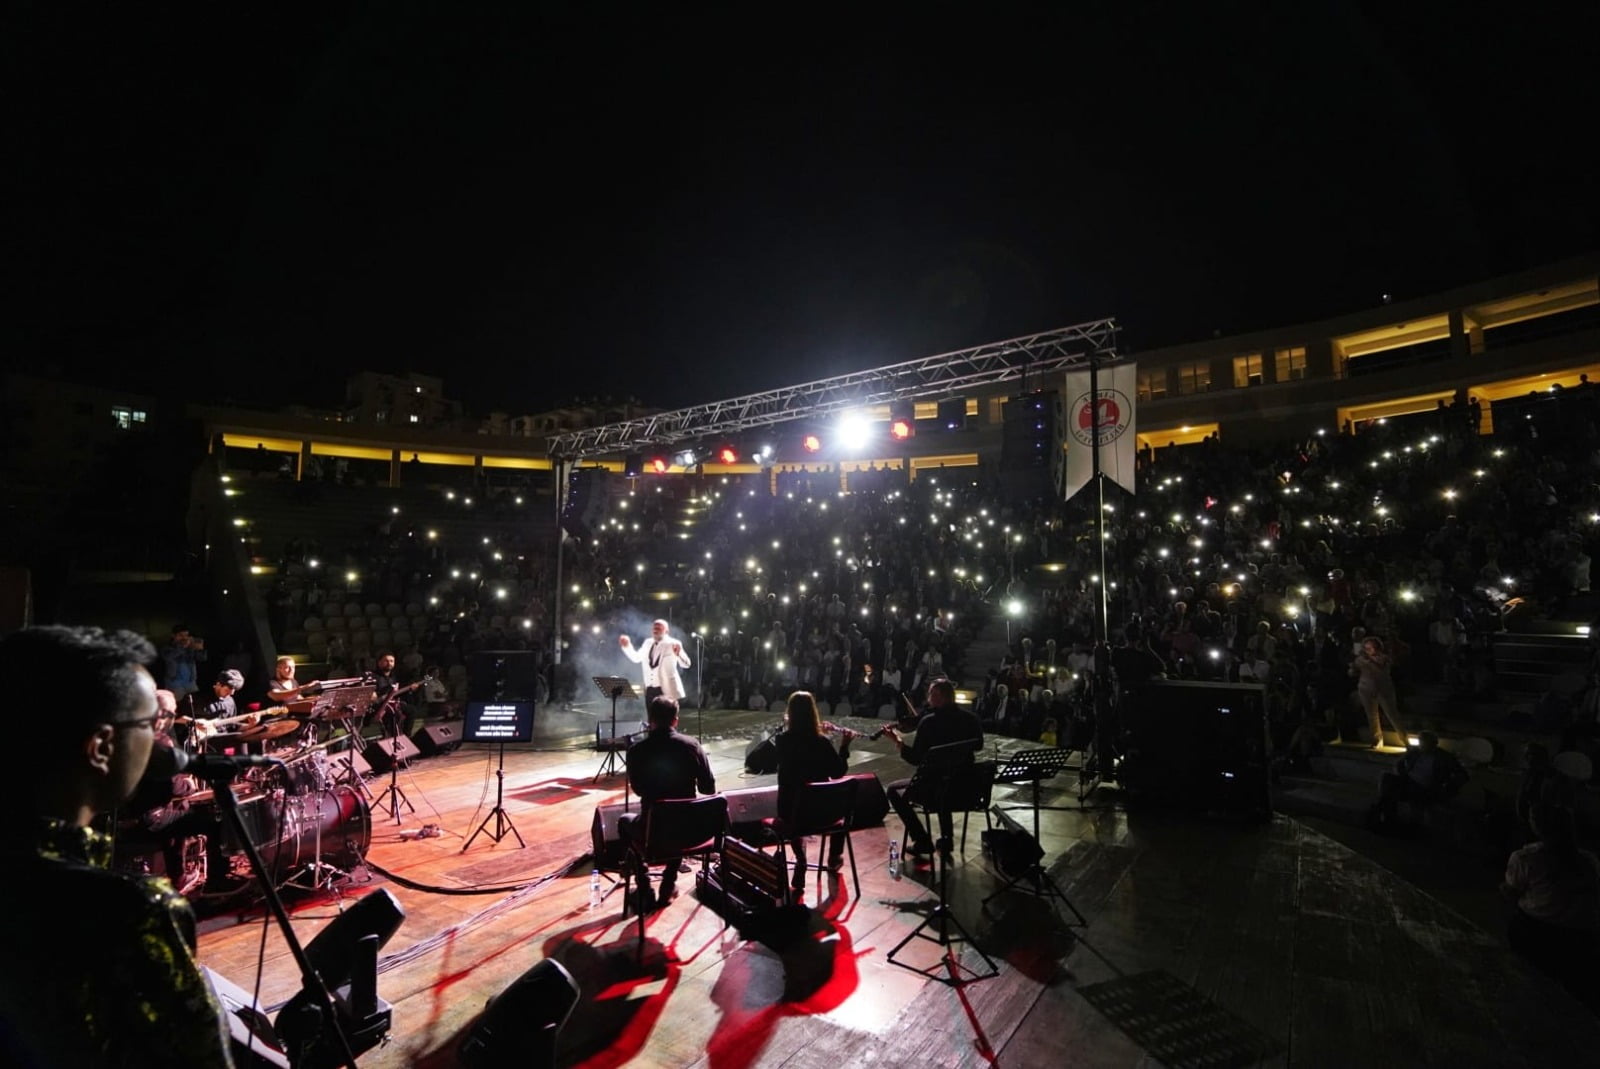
{"x":539,"y":207}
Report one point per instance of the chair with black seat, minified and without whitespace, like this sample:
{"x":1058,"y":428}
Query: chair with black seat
{"x":948,"y":780}
{"x":674,"y":828}
{"x":824,"y":808}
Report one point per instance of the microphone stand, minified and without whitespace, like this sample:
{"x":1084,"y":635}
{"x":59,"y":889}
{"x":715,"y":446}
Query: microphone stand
{"x":327,"y":1009}
{"x":393,"y":797}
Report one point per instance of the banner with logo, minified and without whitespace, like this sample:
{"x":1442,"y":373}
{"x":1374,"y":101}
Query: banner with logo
{"x":1109,"y":417}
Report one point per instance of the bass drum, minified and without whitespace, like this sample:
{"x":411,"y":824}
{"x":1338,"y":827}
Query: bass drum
{"x":287,"y":832}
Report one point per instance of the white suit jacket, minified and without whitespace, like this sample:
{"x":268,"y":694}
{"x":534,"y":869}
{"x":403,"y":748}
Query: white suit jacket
{"x":660,"y":666}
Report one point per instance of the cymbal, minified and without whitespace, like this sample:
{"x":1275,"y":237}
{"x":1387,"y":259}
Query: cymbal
{"x":274,"y":729}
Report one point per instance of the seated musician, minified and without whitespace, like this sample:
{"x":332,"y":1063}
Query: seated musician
{"x":282,"y":688}
{"x":662,"y":765}
{"x":96,"y":968}
{"x":389,"y":697}
{"x":806,"y":756}
{"x":942,"y":723}
{"x":221,"y":712}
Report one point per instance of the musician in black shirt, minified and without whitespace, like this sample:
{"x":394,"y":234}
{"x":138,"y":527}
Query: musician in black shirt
{"x":943,"y":723}
{"x":662,"y":765}
{"x":806,"y":756}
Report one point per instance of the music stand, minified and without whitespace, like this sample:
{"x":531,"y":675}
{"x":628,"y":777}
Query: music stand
{"x":1035,"y":765}
{"x":345,"y":707}
{"x":612,"y":687}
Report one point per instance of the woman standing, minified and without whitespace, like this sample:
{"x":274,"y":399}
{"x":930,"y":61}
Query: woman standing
{"x":1375,"y":688}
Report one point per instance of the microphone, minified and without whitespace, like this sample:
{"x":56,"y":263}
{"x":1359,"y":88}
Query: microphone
{"x":168,"y":761}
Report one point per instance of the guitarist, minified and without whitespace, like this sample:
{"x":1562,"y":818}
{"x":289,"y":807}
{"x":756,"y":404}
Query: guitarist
{"x":387,"y":692}
{"x":221,"y":707}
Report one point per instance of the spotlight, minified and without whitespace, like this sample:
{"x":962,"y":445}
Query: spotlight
{"x":854,"y":431}
{"x":901,"y":429}
{"x":811,"y":443}
{"x":728,"y":455}
{"x":658,"y":465}
{"x":902,"y":420}
{"x":686,"y":458}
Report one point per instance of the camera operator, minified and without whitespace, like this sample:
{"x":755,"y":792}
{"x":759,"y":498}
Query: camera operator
{"x":180,"y":661}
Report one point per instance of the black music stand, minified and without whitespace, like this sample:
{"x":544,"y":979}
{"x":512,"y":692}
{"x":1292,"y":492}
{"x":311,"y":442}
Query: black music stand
{"x":612,"y":687}
{"x":1031,"y":870}
{"x":393,"y":797}
{"x":1035,"y":765}
{"x":344,"y":708}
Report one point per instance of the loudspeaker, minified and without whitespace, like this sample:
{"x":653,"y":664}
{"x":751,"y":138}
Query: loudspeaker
{"x":432,"y":739}
{"x":358,"y":760}
{"x":382,"y":754}
{"x":520,"y":1025}
{"x":953,"y":413}
{"x":585,"y":507}
{"x":604,"y":839}
{"x":872,"y":801}
{"x":254,"y":1041}
{"x":1198,"y":745}
{"x":748,"y":807}
{"x":761,"y":757}
{"x":502,"y":675}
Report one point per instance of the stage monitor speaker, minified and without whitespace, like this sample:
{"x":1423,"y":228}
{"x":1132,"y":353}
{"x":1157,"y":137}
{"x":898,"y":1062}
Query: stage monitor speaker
{"x":434,"y":739}
{"x":1198,"y":745}
{"x":761,"y":756}
{"x":254,"y":1042}
{"x":953,"y":413}
{"x":520,"y":1025}
{"x":358,"y":761}
{"x":872,"y":801}
{"x":604,"y":840}
{"x":382,"y":754}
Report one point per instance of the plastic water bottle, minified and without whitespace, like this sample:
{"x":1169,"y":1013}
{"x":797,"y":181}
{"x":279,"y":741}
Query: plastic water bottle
{"x":594,"y":890}
{"x":894,"y":859}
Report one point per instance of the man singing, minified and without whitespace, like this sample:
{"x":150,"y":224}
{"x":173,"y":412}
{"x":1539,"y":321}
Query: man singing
{"x":105,"y":975}
{"x":662,"y":656}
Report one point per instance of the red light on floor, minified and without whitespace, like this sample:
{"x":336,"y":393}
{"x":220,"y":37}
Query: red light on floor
{"x":811,"y":443}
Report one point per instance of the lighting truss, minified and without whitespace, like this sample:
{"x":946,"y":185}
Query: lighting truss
{"x":945,"y":374}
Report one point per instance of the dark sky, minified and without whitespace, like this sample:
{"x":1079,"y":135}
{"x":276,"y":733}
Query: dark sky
{"x":536,"y":206}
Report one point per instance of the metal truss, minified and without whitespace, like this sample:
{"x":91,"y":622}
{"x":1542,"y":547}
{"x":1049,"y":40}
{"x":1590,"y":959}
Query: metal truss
{"x":948,"y":373}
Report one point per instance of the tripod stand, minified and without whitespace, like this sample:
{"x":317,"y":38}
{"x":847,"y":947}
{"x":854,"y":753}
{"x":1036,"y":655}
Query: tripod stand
{"x":937,"y":926}
{"x":393,"y":797}
{"x":502,"y":819}
{"x":613,"y":687}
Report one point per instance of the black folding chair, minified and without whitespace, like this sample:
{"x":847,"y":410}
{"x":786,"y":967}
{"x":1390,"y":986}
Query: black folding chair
{"x":674,"y":829}
{"x":823,"y":808}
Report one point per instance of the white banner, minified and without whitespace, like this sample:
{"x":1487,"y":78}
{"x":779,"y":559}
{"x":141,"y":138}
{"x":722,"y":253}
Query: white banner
{"x":1110,"y":417}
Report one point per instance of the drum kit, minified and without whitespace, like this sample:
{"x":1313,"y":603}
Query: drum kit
{"x":310,"y":817}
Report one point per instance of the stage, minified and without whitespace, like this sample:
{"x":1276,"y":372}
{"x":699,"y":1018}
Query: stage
{"x":1210,"y":942}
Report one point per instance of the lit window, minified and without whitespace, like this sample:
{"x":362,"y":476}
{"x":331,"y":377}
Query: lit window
{"x":126,"y":418}
{"x":1194,"y":378}
{"x":1291,"y":364}
{"x":1152,"y":384}
{"x":1247,"y":370}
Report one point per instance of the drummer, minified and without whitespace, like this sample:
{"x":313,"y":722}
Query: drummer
{"x":281,"y":688}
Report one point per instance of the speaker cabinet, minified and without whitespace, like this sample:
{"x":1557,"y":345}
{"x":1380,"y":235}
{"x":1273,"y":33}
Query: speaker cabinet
{"x":383,"y":754}
{"x":520,"y":1026}
{"x":254,"y":1041}
{"x":1202,"y":746}
{"x":434,"y":739}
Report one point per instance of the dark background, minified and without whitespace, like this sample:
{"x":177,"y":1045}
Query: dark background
{"x":540,"y":205}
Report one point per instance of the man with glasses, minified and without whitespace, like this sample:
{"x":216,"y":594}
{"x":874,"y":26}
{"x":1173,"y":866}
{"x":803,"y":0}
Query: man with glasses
{"x":104,"y":974}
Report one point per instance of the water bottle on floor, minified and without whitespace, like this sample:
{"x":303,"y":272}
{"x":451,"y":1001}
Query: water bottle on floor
{"x":894,"y":859}
{"x":594,"y":890}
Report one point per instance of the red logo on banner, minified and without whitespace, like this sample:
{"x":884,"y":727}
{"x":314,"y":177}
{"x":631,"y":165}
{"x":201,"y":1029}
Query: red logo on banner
{"x":1105,"y":417}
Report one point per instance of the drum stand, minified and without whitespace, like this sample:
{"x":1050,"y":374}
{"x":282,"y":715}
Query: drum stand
{"x":322,"y":875}
{"x":348,"y":776}
{"x":393,"y":797}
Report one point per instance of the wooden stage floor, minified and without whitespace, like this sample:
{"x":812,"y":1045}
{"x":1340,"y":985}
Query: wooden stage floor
{"x":1209,"y":943}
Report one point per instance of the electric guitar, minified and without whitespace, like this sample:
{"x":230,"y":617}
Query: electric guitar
{"x":202,"y":729}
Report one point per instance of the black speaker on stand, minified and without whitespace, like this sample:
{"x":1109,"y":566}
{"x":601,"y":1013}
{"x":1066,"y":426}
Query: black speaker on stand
{"x":520,"y":1026}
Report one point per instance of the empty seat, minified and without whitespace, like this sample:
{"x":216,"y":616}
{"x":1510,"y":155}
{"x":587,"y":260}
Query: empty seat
{"x":393,"y":609}
{"x":401,"y":637}
{"x":312,"y":623}
{"x":413,"y":608}
{"x":317,"y":643}
{"x":374,"y":609}
{"x":1574,"y":765}
{"x":352,"y":608}
{"x":336,"y":623}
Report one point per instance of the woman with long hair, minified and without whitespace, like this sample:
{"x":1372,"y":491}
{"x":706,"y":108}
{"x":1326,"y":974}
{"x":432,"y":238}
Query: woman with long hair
{"x":806,"y":756}
{"x":1375,"y":688}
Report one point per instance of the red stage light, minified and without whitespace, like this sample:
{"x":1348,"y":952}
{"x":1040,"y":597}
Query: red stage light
{"x":728,"y":455}
{"x":658,"y":465}
{"x":901,"y":429}
{"x":811,"y":443}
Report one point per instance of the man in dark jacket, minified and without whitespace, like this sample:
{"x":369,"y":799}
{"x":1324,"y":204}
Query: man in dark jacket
{"x":662,"y":765}
{"x":942,"y":724}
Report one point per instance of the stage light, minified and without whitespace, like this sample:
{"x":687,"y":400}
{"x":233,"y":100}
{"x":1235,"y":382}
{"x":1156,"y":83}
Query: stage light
{"x":728,"y":455}
{"x":901,"y":429}
{"x":854,"y":431}
{"x":658,"y":465}
{"x":811,"y":443}
{"x":686,"y":458}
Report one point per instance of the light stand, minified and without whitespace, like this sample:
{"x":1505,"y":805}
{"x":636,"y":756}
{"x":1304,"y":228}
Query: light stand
{"x":393,"y":797}
{"x":502,"y":819}
{"x":326,"y":1009}
{"x":613,"y":687}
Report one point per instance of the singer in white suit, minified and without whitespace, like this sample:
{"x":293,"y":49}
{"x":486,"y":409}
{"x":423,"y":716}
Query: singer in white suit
{"x":662,"y":657}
